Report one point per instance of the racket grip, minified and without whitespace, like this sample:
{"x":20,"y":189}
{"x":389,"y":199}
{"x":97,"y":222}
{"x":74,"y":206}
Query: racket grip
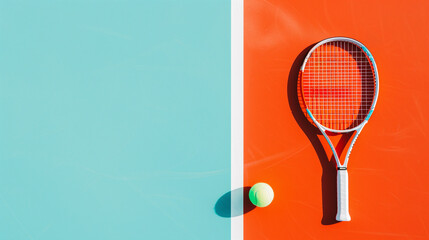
{"x":343,"y":195}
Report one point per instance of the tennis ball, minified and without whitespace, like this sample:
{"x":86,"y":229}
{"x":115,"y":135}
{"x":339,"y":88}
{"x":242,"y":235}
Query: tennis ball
{"x":261,"y":194}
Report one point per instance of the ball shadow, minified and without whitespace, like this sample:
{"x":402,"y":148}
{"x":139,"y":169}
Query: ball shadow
{"x":241,"y":205}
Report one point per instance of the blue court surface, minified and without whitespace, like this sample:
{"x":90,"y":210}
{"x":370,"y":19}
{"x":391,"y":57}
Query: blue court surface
{"x":114,"y":119}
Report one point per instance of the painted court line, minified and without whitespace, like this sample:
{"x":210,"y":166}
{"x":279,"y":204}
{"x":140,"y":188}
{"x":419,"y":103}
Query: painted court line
{"x":237,"y":116}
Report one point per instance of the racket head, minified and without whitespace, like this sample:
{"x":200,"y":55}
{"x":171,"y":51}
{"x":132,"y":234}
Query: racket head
{"x":338,"y":84}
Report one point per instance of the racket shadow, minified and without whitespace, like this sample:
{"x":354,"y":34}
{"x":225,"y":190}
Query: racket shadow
{"x":329,"y":172}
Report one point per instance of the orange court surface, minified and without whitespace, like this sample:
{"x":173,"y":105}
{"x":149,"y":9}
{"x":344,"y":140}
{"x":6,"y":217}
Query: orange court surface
{"x":389,"y":164}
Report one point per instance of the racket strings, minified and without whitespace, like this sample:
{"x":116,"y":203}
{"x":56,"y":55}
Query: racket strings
{"x":338,"y":85}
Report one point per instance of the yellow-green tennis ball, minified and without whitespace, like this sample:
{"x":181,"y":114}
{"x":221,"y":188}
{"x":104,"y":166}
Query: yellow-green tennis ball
{"x":261,"y":194}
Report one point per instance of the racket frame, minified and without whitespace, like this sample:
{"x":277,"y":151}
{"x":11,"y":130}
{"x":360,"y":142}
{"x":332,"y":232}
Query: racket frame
{"x":342,"y":175}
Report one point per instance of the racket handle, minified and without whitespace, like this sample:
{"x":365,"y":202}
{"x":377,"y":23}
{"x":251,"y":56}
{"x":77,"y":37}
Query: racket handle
{"x":342,"y":195}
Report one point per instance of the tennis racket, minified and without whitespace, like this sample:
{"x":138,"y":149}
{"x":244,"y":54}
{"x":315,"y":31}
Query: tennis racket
{"x":339,"y":88}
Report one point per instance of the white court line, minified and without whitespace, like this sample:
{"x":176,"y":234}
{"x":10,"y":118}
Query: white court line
{"x":237,"y":116}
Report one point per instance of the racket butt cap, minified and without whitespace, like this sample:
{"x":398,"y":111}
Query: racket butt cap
{"x":343,"y":217}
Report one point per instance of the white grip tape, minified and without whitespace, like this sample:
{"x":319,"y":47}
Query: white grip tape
{"x":342,"y":195}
